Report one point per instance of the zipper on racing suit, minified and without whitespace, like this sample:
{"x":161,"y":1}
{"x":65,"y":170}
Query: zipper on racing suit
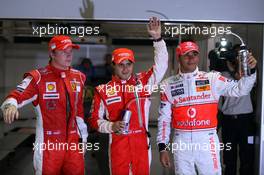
{"x":189,"y":85}
{"x":141,"y":124}
{"x":68,"y":103}
{"x":77,"y":90}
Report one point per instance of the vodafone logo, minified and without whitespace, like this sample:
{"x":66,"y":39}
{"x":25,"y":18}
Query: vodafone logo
{"x":191,"y":112}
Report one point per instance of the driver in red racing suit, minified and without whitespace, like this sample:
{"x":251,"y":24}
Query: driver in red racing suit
{"x":189,"y":104}
{"x":129,"y":153}
{"x":56,"y":94}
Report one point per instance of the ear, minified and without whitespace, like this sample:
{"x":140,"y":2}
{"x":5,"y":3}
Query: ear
{"x":51,"y":54}
{"x":177,"y":58}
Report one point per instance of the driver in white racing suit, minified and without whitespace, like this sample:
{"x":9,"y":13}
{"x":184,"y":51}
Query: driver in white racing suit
{"x":189,"y":102}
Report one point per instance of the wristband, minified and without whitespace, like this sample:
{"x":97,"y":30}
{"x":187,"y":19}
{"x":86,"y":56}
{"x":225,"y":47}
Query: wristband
{"x":157,"y":40}
{"x":252,"y":71}
{"x":162,"y":147}
{"x":8,"y":105}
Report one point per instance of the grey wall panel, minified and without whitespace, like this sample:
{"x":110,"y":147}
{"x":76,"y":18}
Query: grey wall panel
{"x":183,"y":10}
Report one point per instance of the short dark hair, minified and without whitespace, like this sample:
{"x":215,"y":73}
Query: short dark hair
{"x":50,"y":58}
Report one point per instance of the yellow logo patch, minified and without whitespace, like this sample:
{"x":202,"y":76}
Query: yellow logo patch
{"x":203,"y":88}
{"x":111,"y":92}
{"x":51,"y":87}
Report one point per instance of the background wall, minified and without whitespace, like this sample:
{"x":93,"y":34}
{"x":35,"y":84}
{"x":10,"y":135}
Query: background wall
{"x":179,"y":10}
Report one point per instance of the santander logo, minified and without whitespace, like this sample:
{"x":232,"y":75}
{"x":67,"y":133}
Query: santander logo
{"x":193,"y":98}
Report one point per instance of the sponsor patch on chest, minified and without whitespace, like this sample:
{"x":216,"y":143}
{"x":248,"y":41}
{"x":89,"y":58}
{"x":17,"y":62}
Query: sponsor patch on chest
{"x":76,"y":86}
{"x":176,"y":92}
{"x":51,"y":104}
{"x":110,"y":92}
{"x":51,"y":96}
{"x":51,"y":87}
{"x":113,"y":100}
{"x":202,"y":85}
{"x":203,"y":88}
{"x":201,"y":82}
{"x":175,"y":86}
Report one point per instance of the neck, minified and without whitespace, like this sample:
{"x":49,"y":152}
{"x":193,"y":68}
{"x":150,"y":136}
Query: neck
{"x":187,"y":71}
{"x":59,"y":66}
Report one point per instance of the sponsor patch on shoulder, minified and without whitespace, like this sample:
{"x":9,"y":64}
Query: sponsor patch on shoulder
{"x":113,"y":100}
{"x":230,"y":80}
{"x":222,"y":78}
{"x":24,"y":84}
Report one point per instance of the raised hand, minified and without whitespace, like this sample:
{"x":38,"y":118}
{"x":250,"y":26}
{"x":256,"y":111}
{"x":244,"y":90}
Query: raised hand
{"x":154,"y":27}
{"x":252,"y":62}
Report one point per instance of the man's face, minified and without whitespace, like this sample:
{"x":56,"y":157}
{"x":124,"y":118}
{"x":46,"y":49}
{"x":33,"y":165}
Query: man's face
{"x":62,"y":59}
{"x":189,"y":61}
{"x":124,"y":69}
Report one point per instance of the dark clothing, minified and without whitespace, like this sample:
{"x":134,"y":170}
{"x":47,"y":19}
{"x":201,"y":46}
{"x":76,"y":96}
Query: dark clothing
{"x":239,"y":131}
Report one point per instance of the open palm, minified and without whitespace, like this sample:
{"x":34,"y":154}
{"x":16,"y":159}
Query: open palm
{"x":154,"y":27}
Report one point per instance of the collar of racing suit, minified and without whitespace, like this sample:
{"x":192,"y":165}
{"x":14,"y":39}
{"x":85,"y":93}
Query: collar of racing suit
{"x":189,"y":75}
{"x":130,"y":80}
{"x":59,"y":72}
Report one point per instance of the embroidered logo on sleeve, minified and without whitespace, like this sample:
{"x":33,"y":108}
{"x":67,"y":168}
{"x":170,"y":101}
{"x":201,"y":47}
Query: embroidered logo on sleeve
{"x":24,"y":84}
{"x":221,"y":78}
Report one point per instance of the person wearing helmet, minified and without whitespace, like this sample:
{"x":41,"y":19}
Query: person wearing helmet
{"x":189,"y":105}
{"x":56,"y":94}
{"x":129,"y":151}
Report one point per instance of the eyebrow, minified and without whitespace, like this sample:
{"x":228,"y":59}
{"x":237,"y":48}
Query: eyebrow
{"x":125,"y":63}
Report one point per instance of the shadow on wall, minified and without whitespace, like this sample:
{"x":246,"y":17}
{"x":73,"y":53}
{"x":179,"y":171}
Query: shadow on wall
{"x":87,"y":11}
